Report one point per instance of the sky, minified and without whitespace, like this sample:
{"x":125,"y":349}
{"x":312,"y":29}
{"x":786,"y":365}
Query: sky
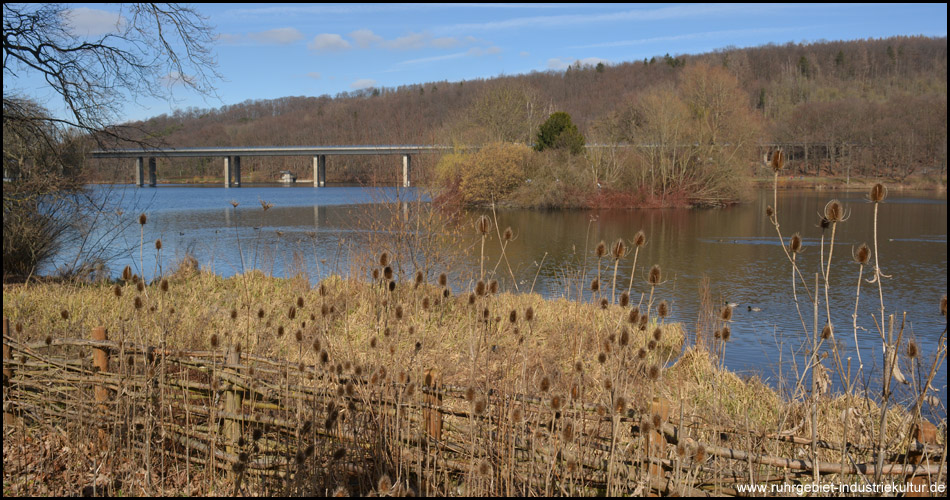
{"x":266,"y":51}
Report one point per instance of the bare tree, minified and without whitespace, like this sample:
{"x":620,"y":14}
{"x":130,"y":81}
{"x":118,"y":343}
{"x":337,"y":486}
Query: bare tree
{"x":153,"y":50}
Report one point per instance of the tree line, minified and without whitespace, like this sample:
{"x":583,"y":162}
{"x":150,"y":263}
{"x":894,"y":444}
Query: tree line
{"x":865,"y":107}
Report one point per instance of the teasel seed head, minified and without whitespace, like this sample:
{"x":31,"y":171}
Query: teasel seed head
{"x":620,"y":405}
{"x":726,"y":313}
{"x":388,"y":272}
{"x":140,"y":286}
{"x":778,"y":160}
{"x":681,"y":450}
{"x":567,"y":432}
{"x":142,"y":219}
{"x":826,"y":332}
{"x":480,"y":288}
{"x":64,"y":314}
{"x":726,"y":333}
{"x":795,"y":245}
{"x":419,"y":277}
{"x":470,"y":394}
{"x":644,"y":320}
{"x":604,"y":303}
{"x":127,"y":273}
{"x":513,"y":316}
{"x":646,"y":426}
{"x":384,"y":259}
{"x":595,"y":285}
{"x":158,"y":244}
{"x":480,"y":406}
{"x":137,"y":302}
{"x":484,"y":468}
{"x":529,"y":312}
{"x":545,"y":384}
{"x":878,"y":193}
{"x":663,"y":309}
{"x":640,"y":239}
{"x":655,"y":275}
{"x":163,"y":285}
{"x":862,"y":255}
{"x":392,"y":286}
{"x":912,"y":350}
{"x":508,"y":234}
{"x":443,"y":280}
{"x":769,"y":211}
{"x":556,"y":403}
{"x":399,"y":311}
{"x":291,"y":313}
{"x":602,"y":358}
{"x":493,"y":287}
{"x":657,"y":334}
{"x":619,"y":249}
{"x":834,"y":211}
{"x":654,"y":372}
{"x":280,"y":331}
{"x":471,"y":299}
{"x":298,"y":335}
{"x":375,"y":274}
{"x":608,"y":384}
{"x":634,"y":315}
{"x":483,"y":225}
{"x":317,"y":347}
{"x":651,"y":345}
{"x":384,"y":485}
{"x":642,"y":353}
{"x":601,"y":249}
{"x":943,"y":306}
{"x":578,"y":367}
{"x":49,"y":340}
{"x":117,"y":290}
{"x":214,"y":340}
{"x":700,"y":454}
{"x":323,"y":290}
{"x":624,"y":299}
{"x":324,"y":310}
{"x":657,"y":421}
{"x":624,"y":337}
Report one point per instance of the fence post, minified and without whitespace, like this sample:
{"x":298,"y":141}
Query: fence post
{"x":925,"y":433}
{"x":232,"y":403}
{"x":100,"y":359}
{"x":431,"y":414}
{"x":660,"y":407}
{"x":8,"y":418}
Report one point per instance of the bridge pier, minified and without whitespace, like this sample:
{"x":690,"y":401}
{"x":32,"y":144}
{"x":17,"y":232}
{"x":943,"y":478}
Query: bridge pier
{"x":237,"y":171}
{"x":320,"y":171}
{"x":152,"y":177}
{"x":405,"y":170}
{"x":139,"y":171}
{"x":232,"y":169}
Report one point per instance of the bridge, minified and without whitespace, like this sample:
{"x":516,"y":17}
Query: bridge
{"x":232,"y":158}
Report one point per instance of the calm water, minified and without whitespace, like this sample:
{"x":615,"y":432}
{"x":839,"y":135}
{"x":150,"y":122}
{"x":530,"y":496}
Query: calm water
{"x":736,"y":248}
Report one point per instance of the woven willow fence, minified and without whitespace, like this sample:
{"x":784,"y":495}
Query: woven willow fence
{"x":259,"y":419}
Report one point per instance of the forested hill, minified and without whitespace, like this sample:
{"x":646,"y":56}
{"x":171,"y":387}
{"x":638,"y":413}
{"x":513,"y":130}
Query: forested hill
{"x":888,"y":96}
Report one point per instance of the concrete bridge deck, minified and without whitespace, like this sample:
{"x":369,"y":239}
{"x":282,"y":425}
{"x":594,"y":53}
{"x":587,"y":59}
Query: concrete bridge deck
{"x":232,"y":158}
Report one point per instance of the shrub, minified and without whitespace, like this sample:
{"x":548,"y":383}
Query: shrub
{"x":494,"y":172}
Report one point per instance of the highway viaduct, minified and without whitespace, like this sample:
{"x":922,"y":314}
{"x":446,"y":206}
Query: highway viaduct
{"x":232,"y":158}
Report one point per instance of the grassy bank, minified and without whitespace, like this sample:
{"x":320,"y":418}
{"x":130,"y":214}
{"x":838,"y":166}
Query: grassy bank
{"x":482,"y":342}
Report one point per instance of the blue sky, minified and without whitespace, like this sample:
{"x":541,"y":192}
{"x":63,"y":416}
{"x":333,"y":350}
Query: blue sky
{"x":267,"y":51}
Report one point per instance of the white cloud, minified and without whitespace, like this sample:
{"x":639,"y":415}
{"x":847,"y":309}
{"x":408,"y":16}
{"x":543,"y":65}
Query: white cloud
{"x":280,"y":36}
{"x":363,"y":83}
{"x":314,"y":75}
{"x":364,"y":38}
{"x":445,"y":42}
{"x":524,"y":53}
{"x":328,"y":42}
{"x":410,"y":41}
{"x":83,"y":21}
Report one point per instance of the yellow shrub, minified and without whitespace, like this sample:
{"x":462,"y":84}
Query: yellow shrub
{"x":494,"y":172}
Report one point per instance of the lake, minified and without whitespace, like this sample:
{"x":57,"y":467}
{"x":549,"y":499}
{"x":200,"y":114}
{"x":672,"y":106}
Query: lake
{"x":736,"y":248}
